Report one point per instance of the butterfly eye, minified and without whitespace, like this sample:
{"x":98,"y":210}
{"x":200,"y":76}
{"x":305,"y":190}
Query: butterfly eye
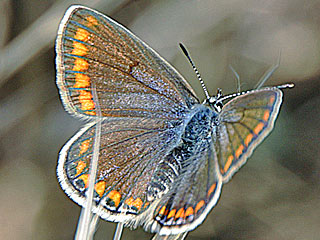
{"x":218,"y":106}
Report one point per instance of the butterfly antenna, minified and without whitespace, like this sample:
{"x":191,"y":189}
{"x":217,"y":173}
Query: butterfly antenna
{"x":195,"y":69}
{"x":286,"y":85}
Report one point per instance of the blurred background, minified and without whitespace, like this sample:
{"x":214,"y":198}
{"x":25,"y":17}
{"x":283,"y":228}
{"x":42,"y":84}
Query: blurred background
{"x":276,"y":195}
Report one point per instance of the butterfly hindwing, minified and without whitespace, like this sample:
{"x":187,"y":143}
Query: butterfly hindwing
{"x":194,"y":193}
{"x":244,"y":122}
{"x":129,"y":153}
{"x":93,"y":51}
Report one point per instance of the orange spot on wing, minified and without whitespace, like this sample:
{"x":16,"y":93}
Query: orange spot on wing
{"x":115,"y":196}
{"x":180,"y":213}
{"x":199,"y":206}
{"x":80,"y":65}
{"x":258,"y":128}
{"x":82,"y":81}
{"x":85,"y":179}
{"x":84,"y":146}
{"x":79,"y":49}
{"x":228,"y":163}
{"x":137,"y":203}
{"x":85,"y":98}
{"x":189,"y":212}
{"x":129,"y":201}
{"x":100,"y":187}
{"x":162,"y":210}
{"x":92,"y":21}
{"x":81,"y":165}
{"x":90,"y":113}
{"x":271,"y":100}
{"x":211,"y":189}
{"x":82,"y":34}
{"x":266,"y":115}
{"x":146,"y":205}
{"x":239,"y":151}
{"x":248,"y":139}
{"x":171,"y":213}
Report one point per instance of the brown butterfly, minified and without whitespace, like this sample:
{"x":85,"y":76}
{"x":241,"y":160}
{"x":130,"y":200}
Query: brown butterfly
{"x":163,"y":155}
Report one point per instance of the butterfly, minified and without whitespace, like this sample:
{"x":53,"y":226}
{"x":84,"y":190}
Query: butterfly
{"x":163,"y":155}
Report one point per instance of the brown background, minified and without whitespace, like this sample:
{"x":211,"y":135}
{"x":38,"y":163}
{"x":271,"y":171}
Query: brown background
{"x":275,"y":196}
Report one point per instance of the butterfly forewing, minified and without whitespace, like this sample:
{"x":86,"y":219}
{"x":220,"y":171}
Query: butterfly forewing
{"x":244,"y":122}
{"x":129,"y":77}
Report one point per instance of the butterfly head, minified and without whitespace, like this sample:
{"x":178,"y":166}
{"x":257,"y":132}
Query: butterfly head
{"x":215,"y":101}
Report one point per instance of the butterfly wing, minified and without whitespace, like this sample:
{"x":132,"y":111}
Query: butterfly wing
{"x":130,"y":78}
{"x":193,"y":194}
{"x":129,"y":152}
{"x":143,"y":102}
{"x":244,"y":122}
